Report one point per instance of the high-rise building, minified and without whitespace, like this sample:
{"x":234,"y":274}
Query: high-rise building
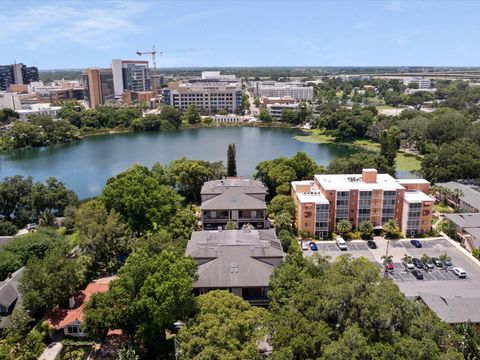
{"x":17,"y":74}
{"x":130,"y":75}
{"x":323,"y":202}
{"x":98,"y":88}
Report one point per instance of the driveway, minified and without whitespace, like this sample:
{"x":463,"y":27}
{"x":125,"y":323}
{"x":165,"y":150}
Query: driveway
{"x":52,"y":351}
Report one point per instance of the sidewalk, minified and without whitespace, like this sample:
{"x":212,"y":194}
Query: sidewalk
{"x":51,"y":352}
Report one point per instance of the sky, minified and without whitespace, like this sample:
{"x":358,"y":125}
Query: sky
{"x":77,"y":34}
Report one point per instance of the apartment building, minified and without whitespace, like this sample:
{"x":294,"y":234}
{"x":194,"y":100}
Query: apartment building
{"x":237,"y":200}
{"x":240,"y":261}
{"x":98,"y":87}
{"x":324,"y":201}
{"x":130,"y":75}
{"x":280,"y":89}
{"x":469,"y":202}
{"x":208,"y":95}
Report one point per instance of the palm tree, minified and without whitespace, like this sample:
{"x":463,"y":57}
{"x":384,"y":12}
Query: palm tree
{"x":344,"y":226}
{"x":456,"y":195}
{"x":366,"y":228}
{"x":391,"y":230}
{"x":406,"y":259}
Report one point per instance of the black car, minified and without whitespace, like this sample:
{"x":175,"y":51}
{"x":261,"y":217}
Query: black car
{"x":416,"y":243}
{"x":418,"y":274}
{"x":418,"y":263}
{"x":437,"y":262}
{"x":371,"y":244}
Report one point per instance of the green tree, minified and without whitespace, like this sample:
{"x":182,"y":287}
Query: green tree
{"x":389,"y":145}
{"x":48,"y":282}
{"x":238,"y":326}
{"x":188,"y":176}
{"x":140,"y":198}
{"x":366,"y":228}
{"x":151,"y":293}
{"x":391,"y":230}
{"x":8,"y":115}
{"x":172,"y":115}
{"x":7,"y":228}
{"x":264,"y":115}
{"x":344,"y":226}
{"x":192,"y":116}
{"x":104,"y":237}
{"x":280,"y":204}
{"x":231,"y":160}
{"x":231,"y":226}
{"x":286,"y":239}
{"x":283,"y":221}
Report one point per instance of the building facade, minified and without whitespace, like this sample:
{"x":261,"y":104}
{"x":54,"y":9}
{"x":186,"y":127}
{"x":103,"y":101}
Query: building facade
{"x":98,"y":88}
{"x":130,"y":75}
{"x":469,"y":201}
{"x":276,"y":110}
{"x":237,"y":200}
{"x":328,"y":199}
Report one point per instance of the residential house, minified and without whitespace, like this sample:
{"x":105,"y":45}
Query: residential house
{"x":468,"y":228}
{"x":10,"y":297}
{"x":469,"y":202}
{"x":240,"y":261}
{"x":70,"y":320}
{"x":237,"y":200}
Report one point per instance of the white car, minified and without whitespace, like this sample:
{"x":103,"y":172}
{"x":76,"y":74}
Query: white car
{"x":409,"y":265}
{"x":459,"y":272}
{"x":304,"y":245}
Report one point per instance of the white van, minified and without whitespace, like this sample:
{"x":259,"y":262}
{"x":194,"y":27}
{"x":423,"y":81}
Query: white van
{"x":342,"y":245}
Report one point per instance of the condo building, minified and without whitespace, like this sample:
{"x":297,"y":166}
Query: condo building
{"x":327,"y":199}
{"x":237,"y":200}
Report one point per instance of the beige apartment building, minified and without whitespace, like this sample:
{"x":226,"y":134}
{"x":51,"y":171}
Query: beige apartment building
{"x":322,"y":202}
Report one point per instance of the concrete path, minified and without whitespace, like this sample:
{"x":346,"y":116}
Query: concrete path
{"x":51,"y":352}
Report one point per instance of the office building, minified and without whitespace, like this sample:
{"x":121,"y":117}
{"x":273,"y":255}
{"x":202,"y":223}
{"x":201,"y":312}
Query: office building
{"x":239,"y":261}
{"x":98,"y":88}
{"x":10,"y":100}
{"x":17,"y":74}
{"x":423,"y":84}
{"x":130,"y":75}
{"x":280,"y":89}
{"x":276,"y":110}
{"x":327,"y":199}
{"x":38,"y":109}
{"x":209,"y":94}
{"x":237,"y":200}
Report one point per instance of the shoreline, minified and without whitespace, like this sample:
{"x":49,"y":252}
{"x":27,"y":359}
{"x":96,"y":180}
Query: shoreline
{"x":405,"y":161}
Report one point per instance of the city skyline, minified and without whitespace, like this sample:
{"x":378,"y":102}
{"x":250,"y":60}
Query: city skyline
{"x":60,"y":35}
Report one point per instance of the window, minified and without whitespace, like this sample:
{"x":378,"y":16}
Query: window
{"x":72,"y":329}
{"x":253,"y":214}
{"x":213,"y":214}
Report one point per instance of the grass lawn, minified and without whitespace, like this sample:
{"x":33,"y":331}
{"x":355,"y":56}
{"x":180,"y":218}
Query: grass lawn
{"x":405,"y":162}
{"x":442,"y":208}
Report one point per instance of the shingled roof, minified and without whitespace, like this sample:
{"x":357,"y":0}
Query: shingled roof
{"x":453,"y":310}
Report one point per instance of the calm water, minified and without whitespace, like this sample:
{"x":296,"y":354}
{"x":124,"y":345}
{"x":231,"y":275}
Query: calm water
{"x":86,"y":165}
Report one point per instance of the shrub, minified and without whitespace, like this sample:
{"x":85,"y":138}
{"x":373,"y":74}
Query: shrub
{"x":7,"y":228}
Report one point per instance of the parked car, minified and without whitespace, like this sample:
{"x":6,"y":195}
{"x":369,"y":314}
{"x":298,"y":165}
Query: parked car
{"x":408,"y":265}
{"x":313,"y":246}
{"x":428,"y":265}
{"x":437,"y":262}
{"x":418,"y":274}
{"x":459,"y":272}
{"x":371,"y":244}
{"x":416,"y":243}
{"x":389,"y":266}
{"x":31,"y":227}
{"x":418,"y":263}
{"x":342,"y":245}
{"x":448,"y":262}
{"x":304,"y":245}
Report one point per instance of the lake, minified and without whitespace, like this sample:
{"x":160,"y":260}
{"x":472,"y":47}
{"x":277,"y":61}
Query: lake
{"x":85,"y":165}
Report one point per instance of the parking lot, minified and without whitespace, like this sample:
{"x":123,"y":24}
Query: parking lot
{"x":438,"y":281}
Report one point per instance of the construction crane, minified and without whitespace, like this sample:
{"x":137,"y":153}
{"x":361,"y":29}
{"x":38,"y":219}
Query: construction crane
{"x":154,"y":62}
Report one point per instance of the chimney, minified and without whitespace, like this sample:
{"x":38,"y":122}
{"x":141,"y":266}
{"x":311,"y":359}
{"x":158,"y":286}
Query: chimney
{"x":71,"y":302}
{"x":369,"y":176}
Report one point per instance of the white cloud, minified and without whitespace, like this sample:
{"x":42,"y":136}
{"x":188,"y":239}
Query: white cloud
{"x":103,"y":26}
